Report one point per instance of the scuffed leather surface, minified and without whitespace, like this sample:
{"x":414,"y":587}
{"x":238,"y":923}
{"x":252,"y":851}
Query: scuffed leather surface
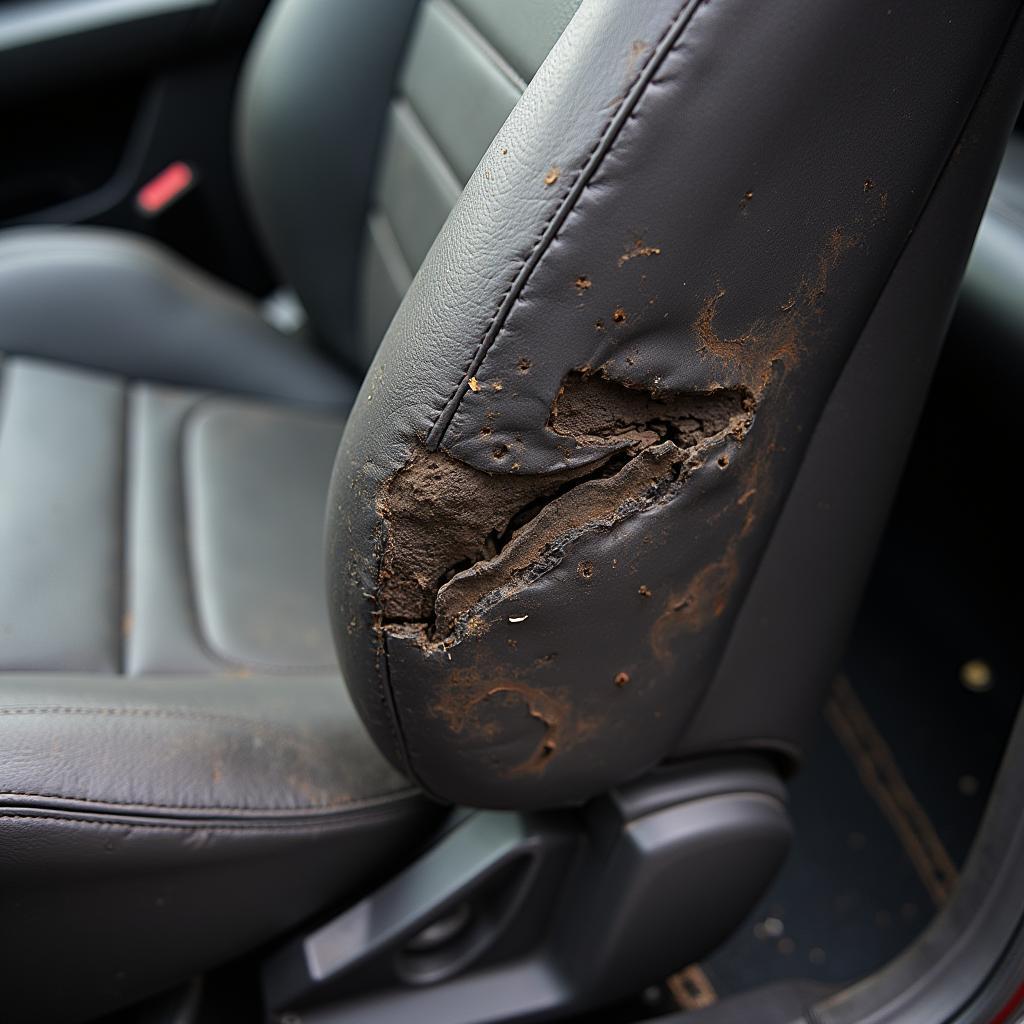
{"x":449,"y":306}
{"x":153,"y":827}
{"x":211,"y":798}
{"x":778,"y":157}
{"x":242,"y":747}
{"x":114,"y":301}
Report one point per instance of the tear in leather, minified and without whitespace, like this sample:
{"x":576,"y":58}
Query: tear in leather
{"x":460,"y":540}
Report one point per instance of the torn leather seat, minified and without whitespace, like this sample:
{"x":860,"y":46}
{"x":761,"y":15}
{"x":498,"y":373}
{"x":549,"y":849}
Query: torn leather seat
{"x":621,"y":461}
{"x":603,"y":500}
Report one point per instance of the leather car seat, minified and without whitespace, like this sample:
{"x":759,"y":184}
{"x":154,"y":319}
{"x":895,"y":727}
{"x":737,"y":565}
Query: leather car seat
{"x":605,"y":498}
{"x":183,"y":775}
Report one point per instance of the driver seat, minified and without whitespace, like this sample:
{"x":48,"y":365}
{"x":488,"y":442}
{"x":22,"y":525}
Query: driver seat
{"x":606,"y":497}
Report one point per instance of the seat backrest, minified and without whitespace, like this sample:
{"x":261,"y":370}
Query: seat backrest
{"x":359,"y":123}
{"x":616,"y":473}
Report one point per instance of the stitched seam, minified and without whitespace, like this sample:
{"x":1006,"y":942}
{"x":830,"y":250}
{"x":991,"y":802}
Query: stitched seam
{"x":370,"y":803}
{"x":123,"y":636}
{"x":171,"y":826}
{"x":70,"y":709}
{"x":524,"y":270}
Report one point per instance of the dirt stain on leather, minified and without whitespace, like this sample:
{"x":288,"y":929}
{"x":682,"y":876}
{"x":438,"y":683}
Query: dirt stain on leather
{"x":780,"y":338}
{"x":486,"y":703}
{"x":638,"y":250}
{"x":701,"y":602}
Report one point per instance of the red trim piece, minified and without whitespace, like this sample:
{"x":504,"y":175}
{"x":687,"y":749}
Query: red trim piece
{"x":1015,"y":1003}
{"x":170,"y":184}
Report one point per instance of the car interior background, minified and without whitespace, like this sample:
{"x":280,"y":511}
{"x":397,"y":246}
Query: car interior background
{"x":504,"y":510}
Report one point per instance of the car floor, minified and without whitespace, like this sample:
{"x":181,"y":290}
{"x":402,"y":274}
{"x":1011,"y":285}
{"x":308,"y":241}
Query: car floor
{"x":896,"y":778}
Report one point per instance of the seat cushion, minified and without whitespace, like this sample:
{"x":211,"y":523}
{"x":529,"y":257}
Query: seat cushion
{"x":182,"y":774}
{"x":119,"y":302}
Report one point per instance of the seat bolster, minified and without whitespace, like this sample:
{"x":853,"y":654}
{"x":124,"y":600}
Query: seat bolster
{"x":231,"y":747}
{"x":118,"y":302}
{"x":129,"y":807}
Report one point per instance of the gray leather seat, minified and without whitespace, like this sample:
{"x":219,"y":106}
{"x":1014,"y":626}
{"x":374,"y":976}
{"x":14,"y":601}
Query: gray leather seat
{"x":112,"y":301}
{"x":182,"y":772}
{"x":625,"y":387}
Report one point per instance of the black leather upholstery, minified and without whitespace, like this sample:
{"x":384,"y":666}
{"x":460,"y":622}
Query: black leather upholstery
{"x":173,"y":824}
{"x":588,"y":411}
{"x":673,"y":244}
{"x":165,"y":530}
{"x":119,"y":302}
{"x":183,"y":774}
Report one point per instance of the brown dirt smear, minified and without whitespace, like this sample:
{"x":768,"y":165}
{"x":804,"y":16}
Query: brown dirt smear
{"x":471,"y":699}
{"x":637,"y":250}
{"x":704,"y":599}
{"x":778,"y":339}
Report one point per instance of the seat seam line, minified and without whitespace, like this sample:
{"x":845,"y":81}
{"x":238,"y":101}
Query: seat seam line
{"x":211,"y":826}
{"x":377,"y":218}
{"x":122,"y":632}
{"x":365,"y":803}
{"x":595,"y":156}
{"x":402,"y":107}
{"x":482,"y":43}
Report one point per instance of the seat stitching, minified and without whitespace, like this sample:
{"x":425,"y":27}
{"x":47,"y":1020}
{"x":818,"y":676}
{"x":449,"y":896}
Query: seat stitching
{"x":570,"y":197}
{"x":143,"y":712}
{"x":368,"y":803}
{"x":172,"y":713}
{"x":121,"y":631}
{"x":174,"y":827}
